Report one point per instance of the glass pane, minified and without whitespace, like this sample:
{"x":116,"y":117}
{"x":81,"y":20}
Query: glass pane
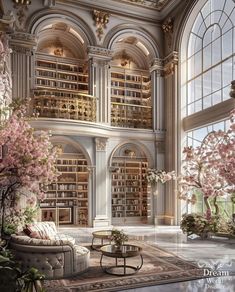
{"x":227,"y":74}
{"x":229,"y":5}
{"x":198,"y":44}
{"x":216,"y":97}
{"x":217,"y":4}
{"x":207,"y":57}
{"x":218,"y":126}
{"x":227,"y":26}
{"x":198,"y":105}
{"x":191,"y":109}
{"x":201,"y":30}
{"x":216,"y":78}
{"x":216,"y":32}
{"x":215,"y":16}
{"x":227,"y":44}
{"x":200,"y":134}
{"x":223,"y":19}
{"x":197,"y":23}
{"x":207,"y":83}
{"x":226,"y":92}
{"x":207,"y":101}
{"x":191,"y":45}
{"x":206,"y":9}
{"x":191,"y":67}
{"x":216,"y":51}
{"x":198,"y":63}
{"x":198,"y":87}
{"x":190,"y":91}
{"x":207,"y":37}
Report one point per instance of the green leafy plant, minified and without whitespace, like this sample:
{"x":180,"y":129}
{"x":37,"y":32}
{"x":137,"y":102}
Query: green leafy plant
{"x":33,"y":281}
{"x":119,"y":237}
{"x":199,"y":224}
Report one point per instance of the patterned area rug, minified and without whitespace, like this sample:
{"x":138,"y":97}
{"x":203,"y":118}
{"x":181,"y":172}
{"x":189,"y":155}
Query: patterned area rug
{"x":160,"y":267}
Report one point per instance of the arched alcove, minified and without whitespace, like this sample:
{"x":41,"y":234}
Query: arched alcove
{"x":67,"y":199}
{"x":128,"y":164}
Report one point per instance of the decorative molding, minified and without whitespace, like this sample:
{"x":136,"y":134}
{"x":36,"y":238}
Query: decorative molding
{"x":170,"y":63}
{"x":7,"y":22}
{"x":167,"y":28}
{"x":99,"y":52}
{"x":101,"y":18}
{"x":21,"y":7}
{"x":151,"y":4}
{"x":101,"y":144}
{"x":49,"y":3}
{"x":17,"y":49}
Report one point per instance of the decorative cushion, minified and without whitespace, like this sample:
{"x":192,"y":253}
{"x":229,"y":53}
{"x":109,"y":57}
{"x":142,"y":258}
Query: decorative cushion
{"x":41,"y":230}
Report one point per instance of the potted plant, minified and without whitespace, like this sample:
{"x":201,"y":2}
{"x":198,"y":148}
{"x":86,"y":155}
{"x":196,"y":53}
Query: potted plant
{"x":119,"y":237}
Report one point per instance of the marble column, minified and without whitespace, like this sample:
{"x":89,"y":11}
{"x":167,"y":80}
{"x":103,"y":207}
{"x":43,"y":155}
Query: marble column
{"x":101,"y":194}
{"x":171,"y":114}
{"x":23,"y":59}
{"x":157,"y":82}
{"x":100,"y":80}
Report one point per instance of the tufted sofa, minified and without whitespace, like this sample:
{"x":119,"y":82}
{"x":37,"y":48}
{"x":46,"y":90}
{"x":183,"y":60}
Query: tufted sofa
{"x":57,"y":257}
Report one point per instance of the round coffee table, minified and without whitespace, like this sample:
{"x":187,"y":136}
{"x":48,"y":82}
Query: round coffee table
{"x":102,"y":235}
{"x":123,"y":252}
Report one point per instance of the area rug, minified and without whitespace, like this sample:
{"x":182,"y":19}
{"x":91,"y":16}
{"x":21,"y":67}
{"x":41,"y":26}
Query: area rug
{"x":160,"y":267}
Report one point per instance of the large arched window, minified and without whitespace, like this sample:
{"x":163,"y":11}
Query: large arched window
{"x":207,"y":69}
{"x":209,"y":60}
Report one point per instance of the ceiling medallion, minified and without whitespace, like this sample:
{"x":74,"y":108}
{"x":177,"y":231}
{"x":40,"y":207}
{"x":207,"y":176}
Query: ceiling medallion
{"x":101,"y":19}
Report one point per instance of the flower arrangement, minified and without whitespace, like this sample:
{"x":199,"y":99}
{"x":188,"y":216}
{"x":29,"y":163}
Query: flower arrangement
{"x":119,"y":237}
{"x":153,"y":176}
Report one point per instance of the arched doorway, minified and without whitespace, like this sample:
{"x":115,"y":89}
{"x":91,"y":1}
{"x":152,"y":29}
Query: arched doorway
{"x":128,"y":185}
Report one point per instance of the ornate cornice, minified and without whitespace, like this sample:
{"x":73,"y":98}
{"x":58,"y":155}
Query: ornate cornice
{"x":99,"y":52}
{"x":23,"y":43}
{"x":170,"y":63}
{"x":157,"y":65}
{"x":101,"y":18}
{"x":151,"y":4}
{"x":101,"y":144}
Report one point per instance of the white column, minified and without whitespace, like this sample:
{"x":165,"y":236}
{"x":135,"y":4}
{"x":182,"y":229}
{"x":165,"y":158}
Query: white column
{"x":171,"y":97}
{"x":99,"y":66}
{"x":23,"y":48}
{"x":101,"y":195}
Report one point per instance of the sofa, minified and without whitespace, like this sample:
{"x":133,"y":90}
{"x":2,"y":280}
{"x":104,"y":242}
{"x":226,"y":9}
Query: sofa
{"x":55,"y":255}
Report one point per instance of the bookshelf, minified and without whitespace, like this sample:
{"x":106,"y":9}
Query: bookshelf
{"x":67,"y":199}
{"x":131,"y":104}
{"x":129,"y":190}
{"x":62,"y":89}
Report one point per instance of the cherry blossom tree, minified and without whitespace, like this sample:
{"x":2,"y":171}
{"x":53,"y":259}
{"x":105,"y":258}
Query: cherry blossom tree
{"x":209,"y":169}
{"x":27,"y":160}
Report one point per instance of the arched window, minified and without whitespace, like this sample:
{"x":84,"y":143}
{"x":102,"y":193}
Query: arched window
{"x":210,"y":56}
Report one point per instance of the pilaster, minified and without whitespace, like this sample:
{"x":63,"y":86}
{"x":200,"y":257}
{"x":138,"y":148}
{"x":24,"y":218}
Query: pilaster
{"x":99,"y":67}
{"x":171,"y":114}
{"x":101,"y":194}
{"x":23,"y":48}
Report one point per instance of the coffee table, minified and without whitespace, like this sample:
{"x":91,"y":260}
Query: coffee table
{"x":102,"y":235}
{"x":123,"y":252}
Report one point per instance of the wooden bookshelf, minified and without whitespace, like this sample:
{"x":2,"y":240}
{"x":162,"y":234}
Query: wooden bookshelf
{"x":70,"y":192}
{"x":129,"y":190}
{"x":131,"y":104}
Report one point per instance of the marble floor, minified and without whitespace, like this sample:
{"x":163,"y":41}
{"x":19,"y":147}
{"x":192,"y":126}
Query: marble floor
{"x":218,"y":253}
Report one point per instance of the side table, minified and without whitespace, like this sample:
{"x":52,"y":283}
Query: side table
{"x":101,"y":235}
{"x":123,"y":252}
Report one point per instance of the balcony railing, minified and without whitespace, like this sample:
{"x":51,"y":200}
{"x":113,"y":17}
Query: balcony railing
{"x":54,"y":104}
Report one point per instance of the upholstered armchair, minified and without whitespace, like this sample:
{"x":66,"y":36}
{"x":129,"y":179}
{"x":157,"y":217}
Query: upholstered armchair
{"x":57,"y":256}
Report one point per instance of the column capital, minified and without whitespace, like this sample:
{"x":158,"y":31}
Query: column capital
{"x":100,"y":144}
{"x":170,"y":62}
{"x":157,"y":65}
{"x":24,"y":43}
{"x":99,"y":53}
